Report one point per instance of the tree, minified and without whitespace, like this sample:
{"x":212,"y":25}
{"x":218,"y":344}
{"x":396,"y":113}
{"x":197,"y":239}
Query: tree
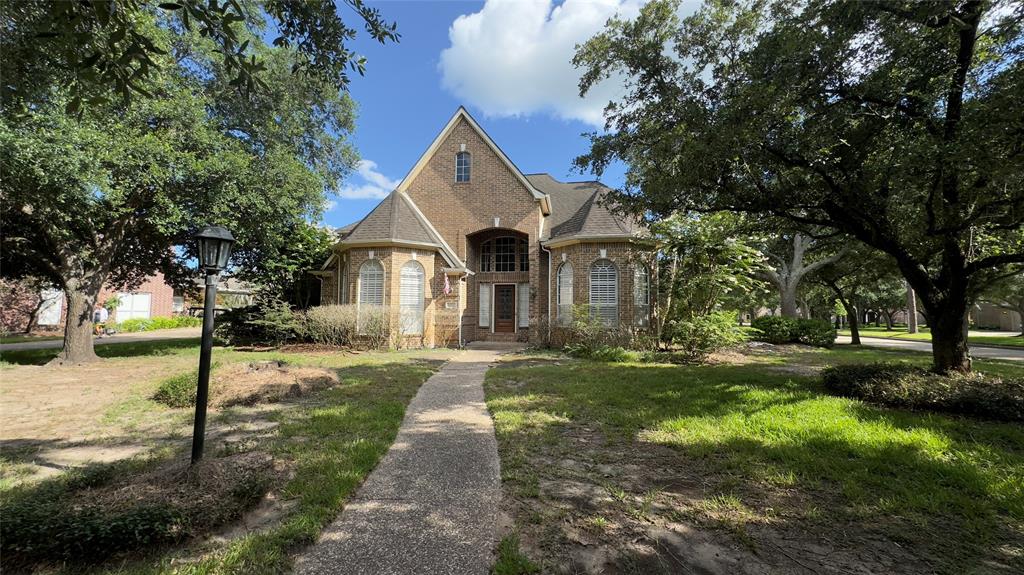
{"x":99,"y":50}
{"x":113,"y":194}
{"x":704,"y":260}
{"x":898,"y":123}
{"x":1009,"y":295}
{"x":280,"y":270}
{"x":853,"y":280}
{"x":793,"y":257}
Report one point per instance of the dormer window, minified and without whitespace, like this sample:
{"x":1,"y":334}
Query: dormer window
{"x":462,"y":167}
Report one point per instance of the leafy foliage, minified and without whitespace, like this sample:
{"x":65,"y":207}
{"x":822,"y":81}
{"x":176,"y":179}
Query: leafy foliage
{"x":779,"y":329}
{"x":266,"y":322}
{"x":898,"y":124}
{"x":902,"y":385}
{"x":697,"y":338}
{"x":178,"y":390}
{"x":104,"y":48}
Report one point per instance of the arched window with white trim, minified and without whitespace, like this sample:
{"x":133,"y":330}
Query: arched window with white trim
{"x":604,"y":292}
{"x":410,"y":298}
{"x":371,"y":284}
{"x":564,"y":294}
{"x":641,"y":296}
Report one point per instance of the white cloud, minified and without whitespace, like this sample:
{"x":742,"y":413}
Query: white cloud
{"x":374,"y":185}
{"x":514,"y":57}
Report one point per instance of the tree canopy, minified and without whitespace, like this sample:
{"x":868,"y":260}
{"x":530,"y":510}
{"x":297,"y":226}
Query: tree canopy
{"x":114,"y":193}
{"x":898,"y":123}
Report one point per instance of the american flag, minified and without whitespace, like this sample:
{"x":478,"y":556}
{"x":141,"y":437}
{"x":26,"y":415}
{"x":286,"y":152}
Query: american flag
{"x":447,"y":285}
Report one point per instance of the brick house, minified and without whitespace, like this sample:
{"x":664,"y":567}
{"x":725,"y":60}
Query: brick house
{"x":469,"y":248}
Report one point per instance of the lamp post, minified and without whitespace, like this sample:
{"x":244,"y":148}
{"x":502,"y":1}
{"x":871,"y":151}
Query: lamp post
{"x":214,"y":244}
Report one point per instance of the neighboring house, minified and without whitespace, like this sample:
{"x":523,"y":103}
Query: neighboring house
{"x":152,"y":298}
{"x":469,"y":248}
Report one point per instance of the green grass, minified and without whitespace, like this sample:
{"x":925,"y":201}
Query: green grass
{"x":925,"y":335}
{"x":116,"y":350}
{"x":512,"y":561}
{"x":954,"y":484}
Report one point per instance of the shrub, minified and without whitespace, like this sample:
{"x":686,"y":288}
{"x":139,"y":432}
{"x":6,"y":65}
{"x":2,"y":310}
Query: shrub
{"x":374,"y":327}
{"x":695,"y":339}
{"x":601,"y":352}
{"x":775,"y":329}
{"x":153,"y":323}
{"x":816,"y":332}
{"x":330,"y":324}
{"x":178,"y":390}
{"x":267,"y":322}
{"x":903,"y":385}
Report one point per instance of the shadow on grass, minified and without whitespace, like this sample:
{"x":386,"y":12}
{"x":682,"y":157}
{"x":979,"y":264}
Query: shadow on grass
{"x":951,"y":488}
{"x":111,"y":350}
{"x":329,"y":441}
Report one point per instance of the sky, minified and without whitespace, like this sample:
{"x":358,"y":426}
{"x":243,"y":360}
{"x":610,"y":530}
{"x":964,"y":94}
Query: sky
{"x":507,"y":61}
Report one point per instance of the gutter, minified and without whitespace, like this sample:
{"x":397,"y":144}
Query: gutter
{"x":549,"y":290}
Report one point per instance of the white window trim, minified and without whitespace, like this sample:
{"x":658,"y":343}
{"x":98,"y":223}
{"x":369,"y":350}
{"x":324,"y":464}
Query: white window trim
{"x":562,"y":318}
{"x":522,"y":307}
{"x":402,"y":307}
{"x":469,"y":166}
{"x":485,"y":296}
{"x":615,"y":289}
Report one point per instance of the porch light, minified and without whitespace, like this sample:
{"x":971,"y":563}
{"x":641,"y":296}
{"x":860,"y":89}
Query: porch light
{"x":214,"y":248}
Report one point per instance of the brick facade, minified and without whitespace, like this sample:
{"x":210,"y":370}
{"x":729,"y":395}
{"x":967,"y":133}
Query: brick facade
{"x":495,"y":202}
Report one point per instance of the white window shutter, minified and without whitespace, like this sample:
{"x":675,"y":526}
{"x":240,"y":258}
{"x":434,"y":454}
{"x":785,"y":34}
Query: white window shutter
{"x":564,"y":294}
{"x":410,"y":298}
{"x":485,"y":305}
{"x":523,"y":292}
{"x":604,"y":292}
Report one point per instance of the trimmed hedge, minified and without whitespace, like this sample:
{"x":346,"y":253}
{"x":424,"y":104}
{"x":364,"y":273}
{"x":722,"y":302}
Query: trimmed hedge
{"x":777,"y":330}
{"x":908,"y":386}
{"x":154,"y":323}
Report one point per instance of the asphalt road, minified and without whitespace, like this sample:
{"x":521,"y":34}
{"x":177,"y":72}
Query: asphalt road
{"x":183,"y":332}
{"x":926,"y":346}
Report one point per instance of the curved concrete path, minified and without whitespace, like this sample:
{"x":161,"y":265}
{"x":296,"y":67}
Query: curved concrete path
{"x":431,"y":504}
{"x":977,"y":351}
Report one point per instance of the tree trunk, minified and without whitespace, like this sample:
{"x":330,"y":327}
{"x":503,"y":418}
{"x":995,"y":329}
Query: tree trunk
{"x":911,"y":310}
{"x":78,"y":327}
{"x":853,"y":320}
{"x":788,"y":296}
{"x":33,"y":316}
{"x":950,"y":353}
{"x":888,"y":320}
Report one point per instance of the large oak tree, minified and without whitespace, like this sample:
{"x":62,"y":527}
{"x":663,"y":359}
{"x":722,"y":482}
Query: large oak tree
{"x":899,"y":123}
{"x":113,"y":193}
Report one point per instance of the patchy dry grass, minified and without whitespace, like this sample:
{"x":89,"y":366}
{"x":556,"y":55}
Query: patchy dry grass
{"x":639,"y":468}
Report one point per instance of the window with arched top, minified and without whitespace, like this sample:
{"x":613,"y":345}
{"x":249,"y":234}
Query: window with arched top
{"x":462,"y":166}
{"x":604,"y":292}
{"x":410,"y":299}
{"x":371,"y":284}
{"x":641,"y":296}
{"x":505,"y":254}
{"x":564,"y":294}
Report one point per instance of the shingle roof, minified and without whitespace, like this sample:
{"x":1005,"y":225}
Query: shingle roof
{"x":577,"y":209}
{"x":394,"y":219}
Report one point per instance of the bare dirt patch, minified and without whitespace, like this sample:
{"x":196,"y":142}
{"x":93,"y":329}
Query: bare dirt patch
{"x":267,"y":382}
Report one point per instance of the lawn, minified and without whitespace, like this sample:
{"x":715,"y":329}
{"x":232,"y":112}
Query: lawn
{"x":925,"y":335}
{"x":747,"y":466}
{"x":24,"y":338}
{"x":322,"y":445}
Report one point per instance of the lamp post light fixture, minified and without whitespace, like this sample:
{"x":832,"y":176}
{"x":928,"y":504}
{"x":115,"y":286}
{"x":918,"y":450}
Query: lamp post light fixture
{"x":214,"y":247}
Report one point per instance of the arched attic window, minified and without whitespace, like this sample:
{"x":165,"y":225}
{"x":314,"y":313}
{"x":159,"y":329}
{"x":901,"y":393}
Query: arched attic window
{"x":462,"y":166}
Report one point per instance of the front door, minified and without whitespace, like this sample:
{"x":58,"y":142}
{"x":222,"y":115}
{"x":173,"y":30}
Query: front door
{"x":505,"y":308}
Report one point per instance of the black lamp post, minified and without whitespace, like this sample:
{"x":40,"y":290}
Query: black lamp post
{"x":214,"y":243}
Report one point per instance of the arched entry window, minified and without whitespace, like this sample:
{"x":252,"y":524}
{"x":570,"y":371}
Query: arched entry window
{"x":505,"y":254}
{"x":604,"y":292}
{"x":410,"y":299}
{"x":564,"y":294}
{"x":462,"y":166}
{"x":641,"y":296}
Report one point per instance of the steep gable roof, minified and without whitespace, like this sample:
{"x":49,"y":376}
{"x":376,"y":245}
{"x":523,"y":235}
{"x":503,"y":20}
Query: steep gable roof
{"x":462,"y":114}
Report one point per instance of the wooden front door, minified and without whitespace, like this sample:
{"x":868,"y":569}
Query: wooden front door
{"x":505,"y":308}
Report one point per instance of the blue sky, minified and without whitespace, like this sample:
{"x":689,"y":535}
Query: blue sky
{"x":507,"y":61}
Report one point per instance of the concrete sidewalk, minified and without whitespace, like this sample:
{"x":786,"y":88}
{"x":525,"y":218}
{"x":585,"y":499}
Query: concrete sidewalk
{"x":977,"y":351}
{"x":134,"y":337}
{"x":431,"y":504}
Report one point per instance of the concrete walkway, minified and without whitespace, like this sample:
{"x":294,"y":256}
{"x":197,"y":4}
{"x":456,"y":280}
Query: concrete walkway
{"x":431,"y":504}
{"x":977,"y":351}
{"x":133,"y":337}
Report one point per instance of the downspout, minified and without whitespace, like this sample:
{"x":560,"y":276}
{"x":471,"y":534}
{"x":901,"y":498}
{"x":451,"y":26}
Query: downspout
{"x":548,"y":290}
{"x":458,"y":302}
{"x":338,"y":282}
